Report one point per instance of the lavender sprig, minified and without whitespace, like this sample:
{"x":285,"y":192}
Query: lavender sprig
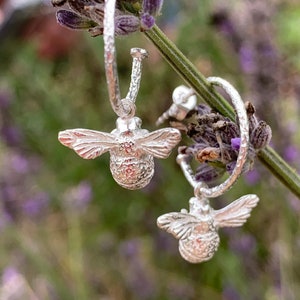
{"x":130,"y":16}
{"x":269,"y":157}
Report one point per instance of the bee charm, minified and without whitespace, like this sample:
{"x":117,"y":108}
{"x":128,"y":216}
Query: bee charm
{"x":131,"y":149}
{"x":197,"y":230}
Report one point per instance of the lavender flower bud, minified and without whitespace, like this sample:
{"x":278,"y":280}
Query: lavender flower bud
{"x":71,"y":20}
{"x":261,"y":135}
{"x":230,"y":167}
{"x":236,"y":143}
{"x":36,"y":204}
{"x":227,"y":130}
{"x":208,"y":173}
{"x":203,"y":109}
{"x":250,"y":109}
{"x":147,"y":21}
{"x":208,"y":154}
{"x":202,"y":134}
{"x":209,"y":118}
{"x":152,"y":7}
{"x":126,"y":24}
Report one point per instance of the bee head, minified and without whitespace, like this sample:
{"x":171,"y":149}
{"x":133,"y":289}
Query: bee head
{"x":199,"y":207}
{"x":130,"y":124}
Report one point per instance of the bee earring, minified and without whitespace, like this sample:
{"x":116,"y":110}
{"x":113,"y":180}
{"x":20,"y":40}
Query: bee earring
{"x":197,"y":229}
{"x":131,"y":148}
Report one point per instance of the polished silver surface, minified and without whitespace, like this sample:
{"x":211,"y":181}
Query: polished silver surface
{"x":184,"y":100}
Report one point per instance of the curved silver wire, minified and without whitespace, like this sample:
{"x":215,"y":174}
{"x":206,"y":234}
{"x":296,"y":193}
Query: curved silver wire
{"x":110,"y":58}
{"x":199,"y":188}
{"x":184,"y":161}
{"x":138,"y":55}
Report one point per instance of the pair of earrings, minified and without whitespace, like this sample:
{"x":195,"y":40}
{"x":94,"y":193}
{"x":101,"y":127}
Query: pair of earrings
{"x":132,"y":150}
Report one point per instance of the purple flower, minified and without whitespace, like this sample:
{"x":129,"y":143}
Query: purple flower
{"x":236,"y":143}
{"x":11,"y":135}
{"x":35,"y":205}
{"x":5,"y":219}
{"x":130,"y":248}
{"x":5,"y":99}
{"x":83,"y":194}
{"x":261,"y":135}
{"x":243,"y":244}
{"x":246,"y":59}
{"x":147,"y":21}
{"x":78,"y":197}
{"x":9,"y":274}
{"x":252,"y":177}
{"x":138,"y":277}
{"x":230,"y":293}
{"x":90,"y":15}
{"x":72,"y":20}
{"x":151,"y":8}
{"x":20,"y":163}
{"x":291,"y":153}
{"x":126,"y":24}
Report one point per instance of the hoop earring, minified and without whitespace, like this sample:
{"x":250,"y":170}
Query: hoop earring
{"x":197,"y":229}
{"x":132,"y":149}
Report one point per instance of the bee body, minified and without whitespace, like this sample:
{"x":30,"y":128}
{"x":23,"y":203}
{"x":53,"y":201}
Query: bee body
{"x":201,"y":244}
{"x":197,"y":230}
{"x":132,"y":149}
{"x":132,"y":172}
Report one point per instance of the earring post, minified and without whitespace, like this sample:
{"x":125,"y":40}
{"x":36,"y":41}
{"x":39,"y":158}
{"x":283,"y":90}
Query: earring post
{"x":138,"y":55}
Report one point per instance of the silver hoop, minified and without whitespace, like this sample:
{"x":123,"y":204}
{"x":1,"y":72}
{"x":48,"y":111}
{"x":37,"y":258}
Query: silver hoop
{"x":200,"y":189}
{"x":110,"y":58}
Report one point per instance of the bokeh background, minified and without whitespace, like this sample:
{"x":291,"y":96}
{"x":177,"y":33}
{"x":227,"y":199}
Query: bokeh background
{"x":67,"y":230}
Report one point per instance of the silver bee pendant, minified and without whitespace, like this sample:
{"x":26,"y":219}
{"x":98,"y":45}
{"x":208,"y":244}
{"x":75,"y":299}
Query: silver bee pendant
{"x":197,"y":230}
{"x":131,"y":149}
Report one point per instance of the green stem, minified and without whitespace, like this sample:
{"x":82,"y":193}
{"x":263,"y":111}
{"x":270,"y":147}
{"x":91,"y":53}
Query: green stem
{"x":197,"y":81}
{"x":76,"y":262}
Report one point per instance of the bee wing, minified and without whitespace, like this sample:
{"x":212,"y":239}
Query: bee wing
{"x":87,"y":143}
{"x":236,"y":213}
{"x":159,"y":143}
{"x":179,"y":224}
